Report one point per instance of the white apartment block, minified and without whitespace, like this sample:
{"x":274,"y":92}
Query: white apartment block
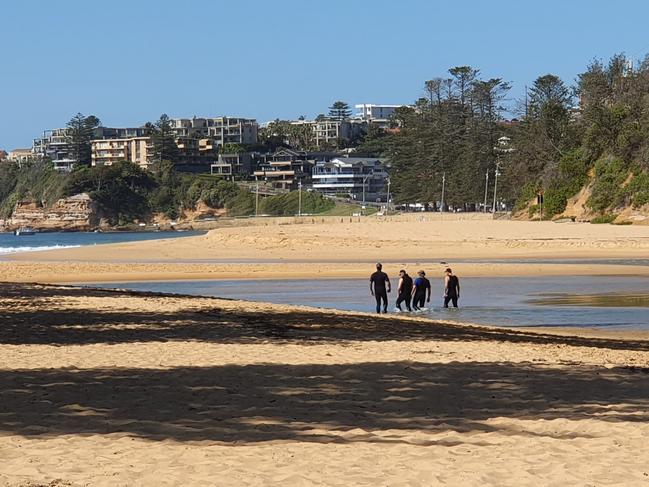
{"x":375,"y":113}
{"x":362,"y":178}
{"x":106,"y":152}
{"x":221,"y":130}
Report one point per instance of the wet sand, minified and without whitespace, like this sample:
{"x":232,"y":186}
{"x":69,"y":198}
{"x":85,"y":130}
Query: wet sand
{"x":110,"y":388}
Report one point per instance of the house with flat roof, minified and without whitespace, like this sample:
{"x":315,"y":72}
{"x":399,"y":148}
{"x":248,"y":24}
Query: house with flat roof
{"x":286,"y":168}
{"x":233,"y":166}
{"x":20,"y":155}
{"x":361,"y":178}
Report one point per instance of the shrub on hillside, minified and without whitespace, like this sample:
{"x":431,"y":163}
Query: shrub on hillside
{"x":610,"y":174}
{"x":572,"y":176}
{"x":608,"y":218}
{"x":638,"y":189}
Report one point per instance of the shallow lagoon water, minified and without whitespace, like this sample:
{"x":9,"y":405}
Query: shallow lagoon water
{"x":576,"y":301}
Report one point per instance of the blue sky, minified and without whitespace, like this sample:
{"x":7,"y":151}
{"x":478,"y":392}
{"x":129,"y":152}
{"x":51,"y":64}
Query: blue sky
{"x":129,"y":61}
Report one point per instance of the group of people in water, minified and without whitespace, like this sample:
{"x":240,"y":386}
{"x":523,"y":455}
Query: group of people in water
{"x":409,"y":291}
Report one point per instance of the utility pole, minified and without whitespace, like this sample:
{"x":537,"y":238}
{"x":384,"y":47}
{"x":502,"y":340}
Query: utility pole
{"x":364,"y":183}
{"x":388,"y":202}
{"x":443,"y":189}
{"x":486,"y":189}
{"x":257,"y":199}
{"x":493,"y":209}
{"x":299,"y":199}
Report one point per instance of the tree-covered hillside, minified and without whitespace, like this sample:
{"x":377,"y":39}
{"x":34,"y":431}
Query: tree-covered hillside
{"x":125,"y":193}
{"x":562,"y":138}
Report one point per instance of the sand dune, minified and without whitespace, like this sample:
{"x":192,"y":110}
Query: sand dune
{"x":111,"y":388}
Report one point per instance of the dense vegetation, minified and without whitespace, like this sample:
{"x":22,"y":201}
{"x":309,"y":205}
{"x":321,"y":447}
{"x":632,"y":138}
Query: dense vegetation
{"x":454,"y":139}
{"x":596,"y":132}
{"x":125,"y":193}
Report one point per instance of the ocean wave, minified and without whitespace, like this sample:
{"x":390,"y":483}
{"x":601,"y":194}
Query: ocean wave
{"x":14,"y":250}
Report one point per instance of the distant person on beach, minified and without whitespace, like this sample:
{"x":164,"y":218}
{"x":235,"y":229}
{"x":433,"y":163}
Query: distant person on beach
{"x":404,"y":290}
{"x":380,"y":287}
{"x":451,"y":288}
{"x":421,"y":291}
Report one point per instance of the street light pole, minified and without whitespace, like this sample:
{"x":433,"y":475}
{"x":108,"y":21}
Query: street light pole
{"x":299,"y":199}
{"x":388,"y":202}
{"x":364,"y":183}
{"x":486,"y":189}
{"x":493,"y":209}
{"x":257,"y":199}
{"x":443,"y":189}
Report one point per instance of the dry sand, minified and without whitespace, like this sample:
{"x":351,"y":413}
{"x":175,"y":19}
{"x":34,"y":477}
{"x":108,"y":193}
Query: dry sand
{"x":105,"y":388}
{"x":345,"y":247}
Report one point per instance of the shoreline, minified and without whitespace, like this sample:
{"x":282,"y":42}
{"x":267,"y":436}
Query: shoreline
{"x":97,"y":272}
{"x":290,"y":394}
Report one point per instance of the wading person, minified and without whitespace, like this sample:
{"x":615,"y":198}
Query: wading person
{"x":380,"y":287}
{"x":404,"y":290}
{"x":451,"y":288}
{"x":421,"y":291}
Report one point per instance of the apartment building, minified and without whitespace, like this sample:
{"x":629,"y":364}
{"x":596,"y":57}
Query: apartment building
{"x":233,"y":166}
{"x":53,"y":144}
{"x":362,"y":178}
{"x":328,"y":132}
{"x":220,"y":130}
{"x":105,"y":152}
{"x":286,"y":168}
{"x":371,"y":112}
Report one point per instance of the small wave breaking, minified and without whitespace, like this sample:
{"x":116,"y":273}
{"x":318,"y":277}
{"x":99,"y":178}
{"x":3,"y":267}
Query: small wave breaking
{"x":15,"y":250}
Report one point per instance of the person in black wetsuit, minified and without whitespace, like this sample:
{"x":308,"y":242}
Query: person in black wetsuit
{"x":421,"y":291}
{"x":404,"y":291}
{"x":380,"y":287}
{"x":451,"y":288}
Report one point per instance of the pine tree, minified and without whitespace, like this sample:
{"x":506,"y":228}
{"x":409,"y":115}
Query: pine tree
{"x":339,"y":111}
{"x":79,"y":133}
{"x":163,"y":140}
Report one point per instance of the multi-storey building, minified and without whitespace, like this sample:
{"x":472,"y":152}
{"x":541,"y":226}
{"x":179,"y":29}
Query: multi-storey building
{"x":328,"y":132}
{"x":361,"y":178}
{"x":220,"y":130}
{"x":106,"y":152}
{"x":54,"y":143}
{"x":373,"y":113}
{"x":286,"y":168}
{"x":233,"y":166}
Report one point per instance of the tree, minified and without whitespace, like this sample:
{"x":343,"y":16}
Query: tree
{"x":449,"y":136}
{"x":231,"y":148}
{"x":79,"y":133}
{"x":163,"y":140}
{"x":339,"y":111}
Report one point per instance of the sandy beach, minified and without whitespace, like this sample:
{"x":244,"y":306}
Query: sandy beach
{"x":105,"y":388}
{"x":346,"y":248}
{"x":108,"y":388}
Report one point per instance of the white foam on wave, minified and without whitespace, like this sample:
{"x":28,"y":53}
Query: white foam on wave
{"x":15,"y":250}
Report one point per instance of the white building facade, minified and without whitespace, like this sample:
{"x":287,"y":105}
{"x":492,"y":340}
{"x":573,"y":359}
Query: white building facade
{"x":362,"y":178}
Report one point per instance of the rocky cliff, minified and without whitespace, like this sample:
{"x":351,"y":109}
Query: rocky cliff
{"x":75,"y":213}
